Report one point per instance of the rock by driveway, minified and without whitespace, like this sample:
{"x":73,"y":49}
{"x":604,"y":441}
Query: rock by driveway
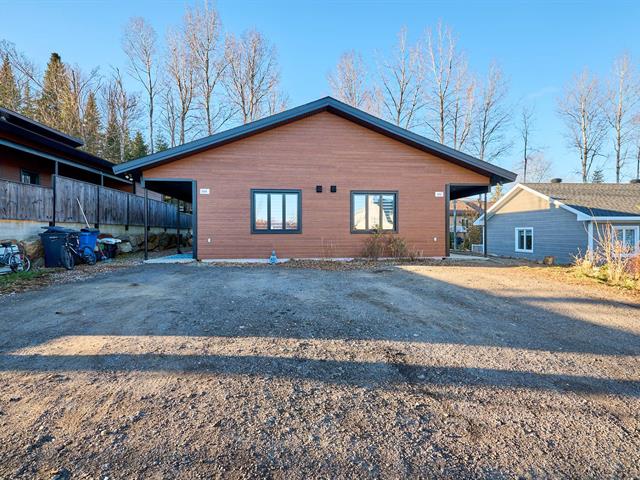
{"x":197,"y":371}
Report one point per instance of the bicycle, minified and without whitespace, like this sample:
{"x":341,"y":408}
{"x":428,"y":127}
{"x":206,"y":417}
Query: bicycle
{"x":16,"y":261}
{"x":71,"y":249}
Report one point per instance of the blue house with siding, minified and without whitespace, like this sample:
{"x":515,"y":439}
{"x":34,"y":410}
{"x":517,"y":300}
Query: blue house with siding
{"x":562,"y":220}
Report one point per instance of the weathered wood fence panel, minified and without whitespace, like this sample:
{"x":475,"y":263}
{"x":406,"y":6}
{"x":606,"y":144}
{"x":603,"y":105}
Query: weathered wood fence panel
{"x":101,"y":205}
{"x":113,"y":206}
{"x":68,"y":193}
{"x":21,"y":201}
{"x":136,"y":210}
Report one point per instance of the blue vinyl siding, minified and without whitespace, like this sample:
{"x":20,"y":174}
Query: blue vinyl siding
{"x":556,"y":231}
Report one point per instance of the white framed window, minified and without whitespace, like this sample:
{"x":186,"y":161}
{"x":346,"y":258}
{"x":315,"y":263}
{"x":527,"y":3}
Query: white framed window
{"x":524,"y":240}
{"x":628,"y":235}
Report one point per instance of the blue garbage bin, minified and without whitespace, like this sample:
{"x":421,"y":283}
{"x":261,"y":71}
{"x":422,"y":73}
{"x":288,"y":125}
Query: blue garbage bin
{"x":88,"y":238}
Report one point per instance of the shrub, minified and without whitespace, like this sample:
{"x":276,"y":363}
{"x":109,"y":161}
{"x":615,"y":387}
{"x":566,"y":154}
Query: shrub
{"x":397,"y":247}
{"x":384,"y":244}
{"x":374,"y":245}
{"x":611,"y":262}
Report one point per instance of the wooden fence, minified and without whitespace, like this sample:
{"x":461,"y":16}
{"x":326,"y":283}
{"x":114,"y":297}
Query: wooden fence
{"x":101,"y":205}
{"x":21,"y":201}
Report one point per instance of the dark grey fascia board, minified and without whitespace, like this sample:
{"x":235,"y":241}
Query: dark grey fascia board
{"x":53,"y":158}
{"x":82,"y":157}
{"x":497,"y":174}
{"x":39,"y":128}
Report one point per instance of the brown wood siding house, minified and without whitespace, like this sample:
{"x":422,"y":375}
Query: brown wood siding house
{"x":323,"y":144}
{"x":29,"y":152}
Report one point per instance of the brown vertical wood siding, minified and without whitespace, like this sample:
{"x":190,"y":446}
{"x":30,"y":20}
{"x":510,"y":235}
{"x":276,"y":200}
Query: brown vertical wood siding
{"x":323,"y":149}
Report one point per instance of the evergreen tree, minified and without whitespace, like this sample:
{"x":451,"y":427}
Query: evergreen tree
{"x":55,"y":107}
{"x":161,"y":144}
{"x":137,"y":147}
{"x":28,"y":105}
{"x":9,"y":92}
{"x":111,"y":145}
{"x":597,"y":176}
{"x":91,"y":126}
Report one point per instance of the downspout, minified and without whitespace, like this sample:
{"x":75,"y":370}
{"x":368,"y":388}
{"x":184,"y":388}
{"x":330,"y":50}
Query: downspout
{"x":54,"y":181}
{"x":146,"y":223}
{"x":590,"y":239}
{"x":484,"y":228}
{"x":455,"y":225}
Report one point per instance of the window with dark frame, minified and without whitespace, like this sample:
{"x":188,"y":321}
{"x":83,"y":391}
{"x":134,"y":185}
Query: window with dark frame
{"x":29,"y":177}
{"x":276,"y":211}
{"x":374,"y":211}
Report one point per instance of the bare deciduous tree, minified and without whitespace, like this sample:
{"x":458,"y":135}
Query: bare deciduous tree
{"x":252,"y":74}
{"x":203,"y":34}
{"x":125,"y":109}
{"x":277,"y":102}
{"x":81,"y":85}
{"x":25,"y":70}
{"x":526,"y":128}
{"x":139,"y":44}
{"x":492,"y":118}
{"x":348,"y":82}
{"x":538,"y":168}
{"x":181,"y":77}
{"x":401,"y":78}
{"x":462,"y":107}
{"x":443,"y":60}
{"x":636,"y":122}
{"x":583,"y":113}
{"x":169,"y":113}
{"x":623,"y":96}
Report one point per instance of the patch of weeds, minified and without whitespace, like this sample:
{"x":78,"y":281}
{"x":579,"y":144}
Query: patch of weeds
{"x":12,"y":281}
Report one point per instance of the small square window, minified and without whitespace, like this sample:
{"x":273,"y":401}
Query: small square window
{"x":29,"y":177}
{"x":373,"y":211}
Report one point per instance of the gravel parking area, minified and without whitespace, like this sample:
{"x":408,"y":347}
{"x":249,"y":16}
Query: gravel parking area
{"x":195,"y":371}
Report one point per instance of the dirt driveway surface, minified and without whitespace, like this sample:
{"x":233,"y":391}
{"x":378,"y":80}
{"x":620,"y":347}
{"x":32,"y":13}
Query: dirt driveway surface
{"x":164,"y":371}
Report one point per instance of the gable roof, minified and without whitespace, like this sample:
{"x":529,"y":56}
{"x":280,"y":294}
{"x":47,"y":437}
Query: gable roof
{"x":595,"y":199}
{"x":588,"y":201}
{"x":326,"y":104}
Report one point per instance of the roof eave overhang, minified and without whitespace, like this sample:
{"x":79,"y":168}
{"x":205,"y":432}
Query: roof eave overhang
{"x":54,"y":158}
{"x":71,"y":154}
{"x":495,"y":174}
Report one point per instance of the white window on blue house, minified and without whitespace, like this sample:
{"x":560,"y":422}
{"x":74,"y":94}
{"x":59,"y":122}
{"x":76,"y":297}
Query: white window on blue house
{"x":524,"y":240}
{"x":628,"y":236}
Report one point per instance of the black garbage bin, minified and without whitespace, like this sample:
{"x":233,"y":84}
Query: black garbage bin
{"x":52,"y":240}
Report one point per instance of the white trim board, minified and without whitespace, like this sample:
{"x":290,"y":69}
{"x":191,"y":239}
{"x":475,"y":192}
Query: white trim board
{"x":580,"y":216}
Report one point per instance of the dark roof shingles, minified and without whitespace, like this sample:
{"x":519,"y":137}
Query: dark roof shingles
{"x":595,"y":199}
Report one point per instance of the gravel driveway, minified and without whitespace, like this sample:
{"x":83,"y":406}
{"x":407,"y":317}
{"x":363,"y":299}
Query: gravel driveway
{"x":160,"y":371}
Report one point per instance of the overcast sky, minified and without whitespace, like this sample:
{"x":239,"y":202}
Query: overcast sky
{"x":540,"y":45}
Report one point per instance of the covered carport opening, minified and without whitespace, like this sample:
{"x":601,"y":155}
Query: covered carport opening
{"x":184,"y":192}
{"x":459,"y":191}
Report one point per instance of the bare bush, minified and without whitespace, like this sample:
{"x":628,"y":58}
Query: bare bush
{"x":611,"y":261}
{"x":374,"y":245}
{"x":384,"y":244}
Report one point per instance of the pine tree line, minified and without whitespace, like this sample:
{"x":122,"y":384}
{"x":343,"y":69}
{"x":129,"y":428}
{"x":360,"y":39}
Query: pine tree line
{"x":67,"y":102}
